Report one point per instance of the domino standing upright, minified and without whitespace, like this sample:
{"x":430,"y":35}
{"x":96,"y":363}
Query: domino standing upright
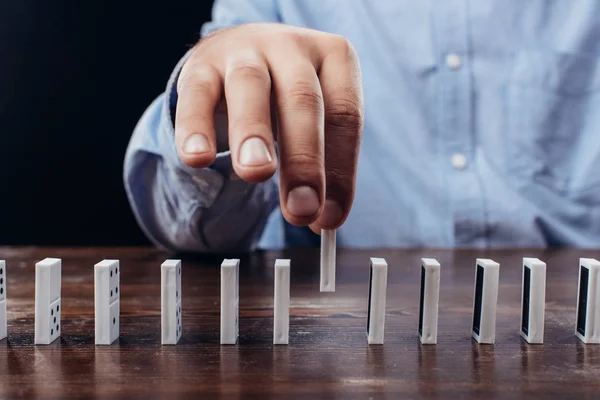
{"x":170,"y":302}
{"x":588,"y":301}
{"x":281,"y":307}
{"x":3,"y":326}
{"x":47,"y":300}
{"x":429,"y":301}
{"x":377,"y":296}
{"x":533,"y":300}
{"x":230,"y":300}
{"x":107,"y":300}
{"x":485,"y":300}
{"x":328,"y":239}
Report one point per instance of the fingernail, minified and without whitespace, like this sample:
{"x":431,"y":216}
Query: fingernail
{"x":303,"y":201}
{"x":254,"y":153}
{"x":196,"y":144}
{"x":332,"y":214}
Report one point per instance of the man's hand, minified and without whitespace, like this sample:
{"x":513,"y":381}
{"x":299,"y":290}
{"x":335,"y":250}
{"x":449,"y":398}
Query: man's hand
{"x":300,"y":86}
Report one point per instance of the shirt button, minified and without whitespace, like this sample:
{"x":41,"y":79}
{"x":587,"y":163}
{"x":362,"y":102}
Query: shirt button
{"x":459,"y":161}
{"x":453,"y":61}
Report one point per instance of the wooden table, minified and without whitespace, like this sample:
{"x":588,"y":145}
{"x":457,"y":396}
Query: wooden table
{"x":327,"y":356}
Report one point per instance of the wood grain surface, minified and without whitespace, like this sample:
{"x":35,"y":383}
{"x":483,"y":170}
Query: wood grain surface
{"x":327,"y":357}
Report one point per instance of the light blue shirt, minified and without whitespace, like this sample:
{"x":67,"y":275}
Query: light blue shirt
{"x":482,"y":128}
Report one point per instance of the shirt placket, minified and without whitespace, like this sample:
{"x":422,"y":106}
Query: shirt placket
{"x":455,"y":122}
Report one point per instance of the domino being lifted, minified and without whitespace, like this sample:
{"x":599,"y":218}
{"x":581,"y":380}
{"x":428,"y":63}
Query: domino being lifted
{"x":328,"y":244}
{"x":485,"y":300}
{"x":588,"y":301}
{"x":107,"y":300}
{"x":47,"y":300}
{"x":170,"y":302}
{"x":3,"y":330}
{"x":430,"y":295}
{"x":533,"y":300}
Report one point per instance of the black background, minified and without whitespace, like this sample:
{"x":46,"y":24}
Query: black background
{"x":75,"y":76}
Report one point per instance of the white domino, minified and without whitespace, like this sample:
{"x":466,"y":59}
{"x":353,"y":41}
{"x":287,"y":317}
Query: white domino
{"x":230,"y":300}
{"x":328,"y":238}
{"x":281,"y":308}
{"x":533,"y":300}
{"x":3,"y":327}
{"x":587,"y":328}
{"x":377,"y":296}
{"x":429,"y":301}
{"x":170,"y":302}
{"x":485,"y":300}
{"x":107,"y":299}
{"x":47,"y":300}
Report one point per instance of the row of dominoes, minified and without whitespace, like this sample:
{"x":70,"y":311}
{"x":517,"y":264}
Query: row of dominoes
{"x":107,"y":301}
{"x":230,"y":300}
{"x":533,"y":299}
{"x":48,"y":277}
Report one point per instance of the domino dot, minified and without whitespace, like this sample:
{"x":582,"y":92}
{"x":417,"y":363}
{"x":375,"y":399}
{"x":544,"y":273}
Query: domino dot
{"x":1,"y":271}
{"x":54,"y":319}
{"x":111,"y":293}
{"x":1,"y":281}
{"x":52,"y":331}
{"x":52,"y":312}
{"x":1,"y":290}
{"x":111,"y":273}
{"x":57,"y":307}
{"x":176,"y":293}
{"x":56,"y":328}
{"x":116,"y":290}
{"x":116,"y":270}
{"x":114,"y":320}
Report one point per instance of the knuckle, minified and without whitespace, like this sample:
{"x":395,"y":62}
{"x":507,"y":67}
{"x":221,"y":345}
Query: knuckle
{"x":303,"y":96}
{"x":344,"y":114}
{"x":198,"y":79}
{"x":339,"y":183}
{"x":343,"y":46}
{"x":339,"y":177}
{"x":304,"y":164}
{"x":296,"y":39}
{"x":305,"y":159}
{"x":285,"y":41}
{"x":200,"y":86}
{"x":249,"y":70}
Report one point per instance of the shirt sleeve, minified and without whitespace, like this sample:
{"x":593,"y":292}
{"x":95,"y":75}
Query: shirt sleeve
{"x":228,"y":13}
{"x":181,"y":208}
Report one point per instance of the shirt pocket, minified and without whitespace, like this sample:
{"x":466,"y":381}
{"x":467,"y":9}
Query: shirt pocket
{"x":553,"y":119}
